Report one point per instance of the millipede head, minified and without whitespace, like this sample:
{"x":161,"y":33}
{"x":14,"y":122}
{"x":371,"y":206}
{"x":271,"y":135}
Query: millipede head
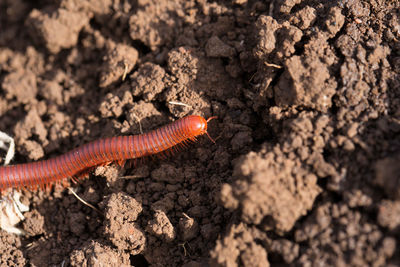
{"x":198,"y":126}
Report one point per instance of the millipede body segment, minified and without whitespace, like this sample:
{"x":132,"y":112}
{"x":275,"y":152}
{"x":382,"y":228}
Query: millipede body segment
{"x":102,"y":151}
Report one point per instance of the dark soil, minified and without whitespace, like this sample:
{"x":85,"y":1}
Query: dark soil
{"x":305,"y":170}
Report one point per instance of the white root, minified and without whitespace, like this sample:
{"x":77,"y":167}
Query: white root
{"x":11,"y":208}
{"x":4,"y":139}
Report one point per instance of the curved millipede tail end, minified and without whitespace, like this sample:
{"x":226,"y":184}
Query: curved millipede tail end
{"x":208,"y":120}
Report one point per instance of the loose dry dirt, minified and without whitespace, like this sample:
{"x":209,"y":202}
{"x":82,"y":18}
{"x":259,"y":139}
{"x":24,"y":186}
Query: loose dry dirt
{"x":305,"y":170}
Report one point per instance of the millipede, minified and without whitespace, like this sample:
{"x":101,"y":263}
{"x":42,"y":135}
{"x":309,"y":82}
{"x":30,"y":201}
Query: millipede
{"x":103,"y":151}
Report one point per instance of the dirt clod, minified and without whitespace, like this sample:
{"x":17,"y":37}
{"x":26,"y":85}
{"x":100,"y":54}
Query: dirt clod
{"x":387,"y":175}
{"x":388,"y":214}
{"x":264,"y":199}
{"x":238,"y":246}
{"x":121,"y":212}
{"x":34,"y":223}
{"x":57,"y":30}
{"x":147,"y":81}
{"x":161,"y":227}
{"x":93,"y":253}
{"x":118,"y":62}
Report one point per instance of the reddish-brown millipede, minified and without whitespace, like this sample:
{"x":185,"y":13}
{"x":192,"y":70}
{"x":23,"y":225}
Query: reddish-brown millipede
{"x":102,"y":151}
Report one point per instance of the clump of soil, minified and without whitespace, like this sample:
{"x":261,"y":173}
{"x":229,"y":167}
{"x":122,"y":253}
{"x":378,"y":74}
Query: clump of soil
{"x":304,"y":169}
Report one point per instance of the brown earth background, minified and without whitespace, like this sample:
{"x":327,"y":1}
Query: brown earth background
{"x":305,"y":170}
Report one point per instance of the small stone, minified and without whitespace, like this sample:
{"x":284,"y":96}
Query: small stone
{"x":216,"y":48}
{"x":352,"y":130}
